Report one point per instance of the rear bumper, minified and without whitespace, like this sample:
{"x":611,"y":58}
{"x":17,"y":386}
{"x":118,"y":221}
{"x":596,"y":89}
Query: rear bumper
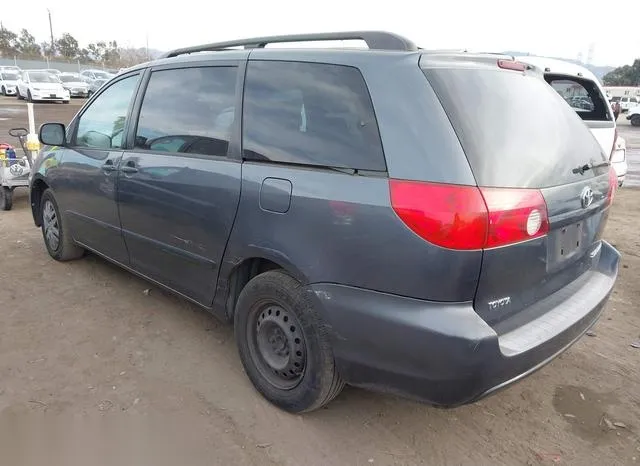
{"x":444,"y":353}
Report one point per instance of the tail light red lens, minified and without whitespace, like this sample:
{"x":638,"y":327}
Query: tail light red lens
{"x":468,"y":217}
{"x":450,"y":216}
{"x":613,"y":185}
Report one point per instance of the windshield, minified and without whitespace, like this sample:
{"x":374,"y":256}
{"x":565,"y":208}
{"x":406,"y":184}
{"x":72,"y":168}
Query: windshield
{"x":9,"y":76}
{"x":42,"y":77}
{"x":515,"y":129}
{"x":69,"y":79}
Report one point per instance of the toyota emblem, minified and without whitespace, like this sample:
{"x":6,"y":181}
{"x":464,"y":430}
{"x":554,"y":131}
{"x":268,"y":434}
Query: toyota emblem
{"x":586,"y":197}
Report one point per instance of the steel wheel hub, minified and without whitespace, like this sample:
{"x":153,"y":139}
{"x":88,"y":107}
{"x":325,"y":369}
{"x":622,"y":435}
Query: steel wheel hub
{"x":280,"y":343}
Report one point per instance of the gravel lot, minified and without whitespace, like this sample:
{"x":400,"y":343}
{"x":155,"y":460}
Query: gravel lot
{"x":84,"y":341}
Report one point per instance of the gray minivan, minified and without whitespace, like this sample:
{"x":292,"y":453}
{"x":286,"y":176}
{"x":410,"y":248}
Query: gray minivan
{"x":420,"y":223}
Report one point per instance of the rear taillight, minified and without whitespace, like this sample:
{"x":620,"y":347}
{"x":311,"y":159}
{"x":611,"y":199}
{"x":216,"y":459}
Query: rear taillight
{"x":514,"y":215}
{"x":613,"y":185}
{"x":467,"y":217}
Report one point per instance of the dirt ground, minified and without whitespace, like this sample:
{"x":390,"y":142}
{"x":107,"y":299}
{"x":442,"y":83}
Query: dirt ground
{"x":83,"y":345}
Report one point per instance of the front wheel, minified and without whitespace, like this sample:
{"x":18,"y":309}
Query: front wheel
{"x":6,"y":198}
{"x":65,"y":101}
{"x":29,"y":98}
{"x":56,"y":235}
{"x":284,"y":344}
{"x":635,"y":120}
{"x":3,"y":91}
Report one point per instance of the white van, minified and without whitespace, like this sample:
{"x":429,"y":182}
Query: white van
{"x":584,"y":93}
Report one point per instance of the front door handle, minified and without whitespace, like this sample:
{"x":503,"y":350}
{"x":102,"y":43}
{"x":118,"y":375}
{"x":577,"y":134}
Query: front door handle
{"x":109,"y":166}
{"x":129,"y":167}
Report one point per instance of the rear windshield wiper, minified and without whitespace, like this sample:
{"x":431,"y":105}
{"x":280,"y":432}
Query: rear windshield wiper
{"x":589,"y":166}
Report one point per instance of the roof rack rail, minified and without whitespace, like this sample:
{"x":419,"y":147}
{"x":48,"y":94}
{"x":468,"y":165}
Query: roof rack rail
{"x":378,"y":40}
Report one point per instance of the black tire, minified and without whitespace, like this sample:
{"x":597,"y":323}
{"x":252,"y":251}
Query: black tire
{"x":6,"y":198}
{"x":65,"y":101}
{"x":29,"y":98}
{"x":18,"y":96}
{"x":64,"y":249}
{"x":2,"y":91}
{"x":273,"y":300}
{"x":635,"y":120}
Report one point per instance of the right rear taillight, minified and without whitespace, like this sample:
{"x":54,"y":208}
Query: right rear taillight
{"x":514,"y":215}
{"x":468,"y":217}
{"x":613,"y":185}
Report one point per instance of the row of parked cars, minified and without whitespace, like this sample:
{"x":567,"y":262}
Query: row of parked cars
{"x":50,"y":84}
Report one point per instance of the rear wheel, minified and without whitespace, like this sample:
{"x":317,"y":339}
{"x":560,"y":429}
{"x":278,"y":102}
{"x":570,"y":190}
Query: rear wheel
{"x":57,"y":239}
{"x":6,"y":198}
{"x":3,"y":91}
{"x":635,"y":120}
{"x":284,"y":344}
{"x":29,"y":98}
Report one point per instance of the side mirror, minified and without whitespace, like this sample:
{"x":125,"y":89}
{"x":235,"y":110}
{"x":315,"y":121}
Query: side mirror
{"x":52,"y":134}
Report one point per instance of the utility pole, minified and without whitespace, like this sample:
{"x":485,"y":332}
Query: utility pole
{"x":51,"y":31}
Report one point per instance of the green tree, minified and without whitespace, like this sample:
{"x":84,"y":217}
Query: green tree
{"x":96,"y":51}
{"x":111,"y":54}
{"x":27,"y":44}
{"x":627,"y":75}
{"x":8,"y":42}
{"x":67,"y":46}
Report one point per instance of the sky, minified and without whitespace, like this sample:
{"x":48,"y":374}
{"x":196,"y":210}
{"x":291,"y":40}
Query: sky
{"x":560,"y":28}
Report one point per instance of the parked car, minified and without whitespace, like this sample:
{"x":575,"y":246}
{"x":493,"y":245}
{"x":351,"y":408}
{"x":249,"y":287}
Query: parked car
{"x":424,"y":224}
{"x":40,"y":85}
{"x":15,"y":69}
{"x":8,"y":82}
{"x":627,"y":103}
{"x":634,"y":116}
{"x":89,"y":75}
{"x":74,"y":84}
{"x":94,"y":85}
{"x":584,"y":93}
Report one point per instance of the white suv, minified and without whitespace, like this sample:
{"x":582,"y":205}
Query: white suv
{"x":584,"y":93}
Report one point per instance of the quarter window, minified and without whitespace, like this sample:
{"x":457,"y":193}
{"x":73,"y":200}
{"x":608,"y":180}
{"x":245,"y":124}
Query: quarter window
{"x":311,"y":114}
{"x":102,"y":125}
{"x":188,"y":110}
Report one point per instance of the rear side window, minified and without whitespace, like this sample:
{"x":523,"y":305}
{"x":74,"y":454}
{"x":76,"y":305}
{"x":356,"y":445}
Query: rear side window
{"x":582,"y":95}
{"x":310,"y":114}
{"x":515,"y":129}
{"x":188,"y":110}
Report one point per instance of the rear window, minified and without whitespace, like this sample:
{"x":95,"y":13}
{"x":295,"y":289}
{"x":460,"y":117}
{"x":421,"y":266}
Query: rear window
{"x":582,"y":95}
{"x":310,"y":114}
{"x":515,"y":129}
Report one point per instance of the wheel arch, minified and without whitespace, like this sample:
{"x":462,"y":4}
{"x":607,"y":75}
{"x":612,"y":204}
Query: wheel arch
{"x":38,"y":187}
{"x":241,"y":271}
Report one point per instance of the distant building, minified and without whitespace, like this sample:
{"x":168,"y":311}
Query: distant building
{"x":622,"y":91}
